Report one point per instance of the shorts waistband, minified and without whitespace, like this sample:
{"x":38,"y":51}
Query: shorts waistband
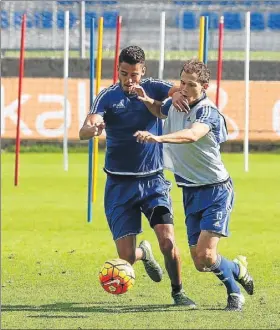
{"x":207,"y":185}
{"x":129,"y":177}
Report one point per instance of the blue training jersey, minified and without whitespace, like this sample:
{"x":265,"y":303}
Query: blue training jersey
{"x":123,"y":115}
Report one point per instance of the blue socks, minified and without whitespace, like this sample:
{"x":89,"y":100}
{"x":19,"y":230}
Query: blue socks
{"x":226,"y":271}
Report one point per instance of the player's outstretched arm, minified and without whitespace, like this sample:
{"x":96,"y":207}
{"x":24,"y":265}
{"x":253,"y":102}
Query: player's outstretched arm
{"x":153,"y":106}
{"x":93,"y":126}
{"x":188,"y":135}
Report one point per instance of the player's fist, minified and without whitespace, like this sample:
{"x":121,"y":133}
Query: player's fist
{"x":98,"y":128}
{"x":146,"y":137}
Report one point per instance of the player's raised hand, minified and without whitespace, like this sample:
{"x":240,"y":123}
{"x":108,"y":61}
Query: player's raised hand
{"x":141,"y":94}
{"x":180,"y":102}
{"x":146,"y":137}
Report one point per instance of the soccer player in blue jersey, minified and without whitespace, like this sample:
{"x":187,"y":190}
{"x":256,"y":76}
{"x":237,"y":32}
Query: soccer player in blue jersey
{"x":192,"y":152}
{"x":135,"y":181}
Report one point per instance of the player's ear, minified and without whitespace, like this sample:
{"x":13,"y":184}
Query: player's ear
{"x":143,"y":70}
{"x":205,"y":86}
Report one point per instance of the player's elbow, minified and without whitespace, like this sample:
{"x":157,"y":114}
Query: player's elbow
{"x":191,"y":138}
{"x":195,"y":135}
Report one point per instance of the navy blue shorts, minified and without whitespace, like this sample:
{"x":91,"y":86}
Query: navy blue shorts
{"x":208,"y":208}
{"x":126,"y":198}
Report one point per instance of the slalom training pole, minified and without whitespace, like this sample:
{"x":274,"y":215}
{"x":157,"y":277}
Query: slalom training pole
{"x":65,"y":77}
{"x":98,"y":82}
{"x":117,"y":48}
{"x":206,"y":39}
{"x":247,"y":94}
{"x":90,"y":142}
{"x":220,"y":59}
{"x":21,"y":73}
{"x":201,"y":39}
{"x":162,"y":45}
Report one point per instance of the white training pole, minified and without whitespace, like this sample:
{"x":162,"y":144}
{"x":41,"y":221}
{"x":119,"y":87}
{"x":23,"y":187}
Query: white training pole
{"x":66,"y":69}
{"x":82,"y":29}
{"x":247,"y":81}
{"x":162,"y":45}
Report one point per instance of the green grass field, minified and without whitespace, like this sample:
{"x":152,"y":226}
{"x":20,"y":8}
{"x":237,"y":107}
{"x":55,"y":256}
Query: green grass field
{"x":51,"y":256}
{"x":154,"y":55}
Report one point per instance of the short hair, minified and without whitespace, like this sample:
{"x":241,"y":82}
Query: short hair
{"x":132,"y":55}
{"x":198,"y":67}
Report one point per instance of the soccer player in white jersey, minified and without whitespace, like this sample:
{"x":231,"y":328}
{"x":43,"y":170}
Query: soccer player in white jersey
{"x":135,"y":182}
{"x":192,"y":152}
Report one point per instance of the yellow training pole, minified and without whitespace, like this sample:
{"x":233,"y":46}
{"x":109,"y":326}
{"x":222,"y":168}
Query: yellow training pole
{"x":201,"y":38}
{"x":98,"y":81}
{"x":95,"y":169}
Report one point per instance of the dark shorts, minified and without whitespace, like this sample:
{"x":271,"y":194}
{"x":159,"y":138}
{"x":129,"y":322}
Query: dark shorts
{"x":127,"y":198}
{"x":208,"y":208}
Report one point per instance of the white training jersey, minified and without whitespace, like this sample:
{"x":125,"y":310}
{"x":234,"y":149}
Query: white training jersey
{"x":198,"y":163}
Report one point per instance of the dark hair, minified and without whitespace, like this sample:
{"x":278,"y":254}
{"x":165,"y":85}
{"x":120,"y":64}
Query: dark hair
{"x":198,"y":67}
{"x":132,"y":55}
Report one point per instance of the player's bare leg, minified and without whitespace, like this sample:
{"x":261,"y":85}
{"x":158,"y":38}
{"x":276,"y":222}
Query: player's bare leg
{"x":127,"y":250}
{"x":206,"y":258}
{"x":166,"y":239}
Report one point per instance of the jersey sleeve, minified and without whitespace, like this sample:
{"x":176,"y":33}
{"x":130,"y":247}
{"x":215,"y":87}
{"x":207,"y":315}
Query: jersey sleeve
{"x":100,"y":103}
{"x":160,"y":89}
{"x":215,"y":120}
{"x":166,"y":106}
{"x":208,"y":115}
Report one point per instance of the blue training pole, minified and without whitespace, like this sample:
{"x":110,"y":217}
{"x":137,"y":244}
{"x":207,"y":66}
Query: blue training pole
{"x":90,"y":143}
{"x":206,"y":39}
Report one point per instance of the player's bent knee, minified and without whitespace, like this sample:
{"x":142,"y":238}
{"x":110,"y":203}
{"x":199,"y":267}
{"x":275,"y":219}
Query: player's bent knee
{"x":161,"y":216}
{"x":199,"y":265}
{"x":166,"y":246}
{"x":205,"y":257}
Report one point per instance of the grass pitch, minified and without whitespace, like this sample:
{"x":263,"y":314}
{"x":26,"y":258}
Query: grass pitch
{"x":51,"y":256}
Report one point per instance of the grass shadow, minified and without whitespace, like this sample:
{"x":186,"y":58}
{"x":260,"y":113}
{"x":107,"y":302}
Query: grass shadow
{"x":57,"y":316}
{"x":100,"y":307}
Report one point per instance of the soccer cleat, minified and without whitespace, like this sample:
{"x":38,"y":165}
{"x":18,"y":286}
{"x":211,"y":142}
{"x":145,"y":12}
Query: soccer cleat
{"x":152,"y":267}
{"x":235,"y":302}
{"x":244,"y":278}
{"x":181,"y":298}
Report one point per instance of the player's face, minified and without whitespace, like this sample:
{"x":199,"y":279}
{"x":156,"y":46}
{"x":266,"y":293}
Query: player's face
{"x":190,"y":87}
{"x":130,"y":74}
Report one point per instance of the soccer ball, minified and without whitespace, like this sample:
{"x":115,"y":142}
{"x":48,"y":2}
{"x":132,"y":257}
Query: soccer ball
{"x":117,"y":276}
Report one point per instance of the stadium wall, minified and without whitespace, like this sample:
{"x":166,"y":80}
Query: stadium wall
{"x":79,"y":68}
{"x":42,"y":100}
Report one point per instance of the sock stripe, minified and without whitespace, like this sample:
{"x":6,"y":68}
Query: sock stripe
{"x":216,"y":264}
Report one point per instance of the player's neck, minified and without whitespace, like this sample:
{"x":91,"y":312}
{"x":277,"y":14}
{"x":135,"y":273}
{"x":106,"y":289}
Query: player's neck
{"x":195,"y":101}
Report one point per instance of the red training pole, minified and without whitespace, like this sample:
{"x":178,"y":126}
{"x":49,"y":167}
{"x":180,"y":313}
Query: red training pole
{"x":118,"y":34}
{"x":21,"y":72}
{"x":220,"y":58}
